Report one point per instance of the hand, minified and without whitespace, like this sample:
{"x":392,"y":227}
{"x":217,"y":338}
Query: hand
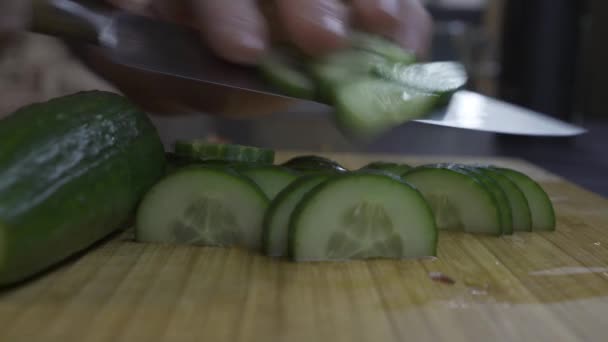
{"x":241,"y":30}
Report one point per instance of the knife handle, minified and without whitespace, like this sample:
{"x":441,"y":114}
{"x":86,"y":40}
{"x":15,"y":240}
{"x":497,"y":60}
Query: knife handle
{"x":74,"y":20}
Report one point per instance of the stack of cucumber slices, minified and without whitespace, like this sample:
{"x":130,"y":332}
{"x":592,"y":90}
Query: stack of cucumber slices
{"x":373,"y":84}
{"x":311,"y":208}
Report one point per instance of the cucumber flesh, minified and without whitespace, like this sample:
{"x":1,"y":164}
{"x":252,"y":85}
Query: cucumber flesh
{"x":285,"y":71}
{"x":433,"y":77}
{"x":362,"y":216}
{"x":276,"y":221}
{"x":340,"y":68}
{"x":522,"y":218}
{"x":367,"y":108}
{"x":271,"y":179}
{"x":541,"y":208}
{"x":203,"y":206}
{"x":381,"y":46}
{"x":460,"y":202}
{"x":506,"y":216}
{"x":198,"y":150}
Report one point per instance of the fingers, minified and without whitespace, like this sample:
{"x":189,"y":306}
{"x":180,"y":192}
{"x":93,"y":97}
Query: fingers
{"x":379,"y":16}
{"x":415,"y":28}
{"x":314,"y":26}
{"x":234,"y":29}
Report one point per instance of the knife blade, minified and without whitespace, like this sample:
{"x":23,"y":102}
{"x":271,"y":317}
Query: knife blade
{"x":172,"y":50}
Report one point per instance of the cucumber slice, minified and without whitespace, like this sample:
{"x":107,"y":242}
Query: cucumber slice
{"x":362,"y":216}
{"x":276,"y":221}
{"x":198,"y":150}
{"x":342,"y":67}
{"x":381,"y":46}
{"x":504,"y":207}
{"x":522,"y":218}
{"x":176,"y":162}
{"x":394,"y":168}
{"x":271,"y":179}
{"x":541,"y":208}
{"x":460,"y":202}
{"x":367,"y":108}
{"x":285,"y":70}
{"x":434,"y":77}
{"x":203,"y":206}
{"x":312,"y":163}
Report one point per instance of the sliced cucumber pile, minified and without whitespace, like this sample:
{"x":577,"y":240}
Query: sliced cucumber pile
{"x":311,"y":208}
{"x":276,"y":221}
{"x":541,"y":209}
{"x":373,"y":84}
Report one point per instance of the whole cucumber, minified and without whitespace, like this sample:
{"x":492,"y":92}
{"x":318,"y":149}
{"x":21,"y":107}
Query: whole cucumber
{"x":72,"y":171}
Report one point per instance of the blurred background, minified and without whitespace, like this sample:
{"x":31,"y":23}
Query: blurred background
{"x":545,"y":55}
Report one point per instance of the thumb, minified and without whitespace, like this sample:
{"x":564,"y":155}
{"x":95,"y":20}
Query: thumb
{"x":14,"y":15}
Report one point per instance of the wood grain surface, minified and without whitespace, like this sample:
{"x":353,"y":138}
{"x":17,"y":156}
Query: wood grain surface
{"x":549,"y":286}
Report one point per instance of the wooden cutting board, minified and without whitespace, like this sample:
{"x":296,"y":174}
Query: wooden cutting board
{"x":550,"y":286}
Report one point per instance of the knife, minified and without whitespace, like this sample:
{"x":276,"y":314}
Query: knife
{"x":160,"y":47}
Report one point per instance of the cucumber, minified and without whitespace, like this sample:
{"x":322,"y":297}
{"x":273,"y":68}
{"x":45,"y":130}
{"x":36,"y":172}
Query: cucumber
{"x":312,"y":163}
{"x":285,"y":70}
{"x":433,"y":77}
{"x":198,"y":150}
{"x":394,"y":168}
{"x":203,"y":206}
{"x":72,"y":171}
{"x":522,"y":218}
{"x":460,"y":202}
{"x":340,"y":68}
{"x":369,"y":107}
{"x":541,"y":208}
{"x":276,"y":220}
{"x":271,"y":179}
{"x":381,"y":46}
{"x":362,"y":216}
{"x":504,"y":207}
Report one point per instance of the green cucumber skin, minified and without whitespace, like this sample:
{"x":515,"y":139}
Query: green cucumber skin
{"x":299,"y":209}
{"x":522,"y":217}
{"x":522,"y":181}
{"x":313,"y":163}
{"x":506,"y":217}
{"x":72,"y":171}
{"x":394,"y":168}
{"x":198,"y":151}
